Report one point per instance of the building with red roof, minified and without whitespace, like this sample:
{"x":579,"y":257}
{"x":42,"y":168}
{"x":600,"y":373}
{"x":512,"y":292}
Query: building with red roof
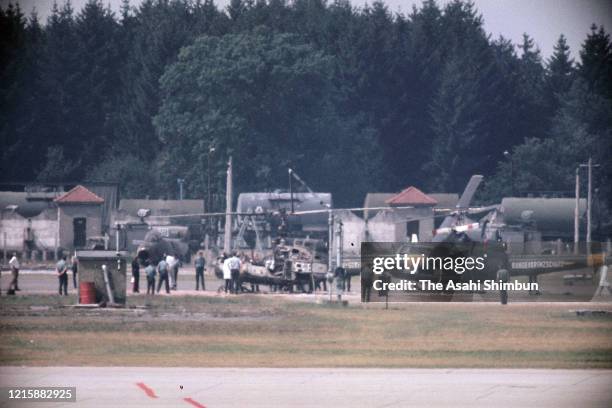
{"x":411,"y":196}
{"x":79,"y":195}
{"x":80,"y":216}
{"x":395,"y":217}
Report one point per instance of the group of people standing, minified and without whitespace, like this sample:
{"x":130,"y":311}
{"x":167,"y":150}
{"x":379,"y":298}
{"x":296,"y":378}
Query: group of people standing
{"x":62,"y":269}
{"x":166,"y":270}
{"x":231,"y":273}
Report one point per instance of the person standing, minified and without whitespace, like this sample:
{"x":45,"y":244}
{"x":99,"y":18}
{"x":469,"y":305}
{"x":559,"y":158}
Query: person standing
{"x":172,"y":270}
{"x":339,"y":275}
{"x":234,"y":265}
{"x":150,"y":273}
{"x":135,"y":274}
{"x":227,"y":273}
{"x":367,"y":279}
{"x":347,"y":281}
{"x":175,"y":271}
{"x":162,"y":270}
{"x":200,"y":264}
{"x":14,"y":264}
{"x":75,"y":270}
{"x":62,"y":274}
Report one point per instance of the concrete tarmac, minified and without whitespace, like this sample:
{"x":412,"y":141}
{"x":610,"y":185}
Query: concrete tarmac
{"x":46,"y":283}
{"x":344,"y":387}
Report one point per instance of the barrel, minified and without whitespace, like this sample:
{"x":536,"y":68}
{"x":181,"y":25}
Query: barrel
{"x":87,"y":292}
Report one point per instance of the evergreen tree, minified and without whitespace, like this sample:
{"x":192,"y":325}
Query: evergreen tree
{"x":457,"y":127}
{"x":582,"y":128}
{"x":13,"y":60}
{"x":596,"y":61}
{"x":98,"y":75}
{"x":429,"y":94}
{"x":559,"y":75}
{"x":425,"y":57}
{"x":465,"y":141}
{"x":530,"y":87}
{"x":236,"y":9}
{"x":162,"y":28}
{"x":60,"y":86}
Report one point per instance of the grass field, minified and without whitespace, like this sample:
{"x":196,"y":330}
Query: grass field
{"x":256,"y":331}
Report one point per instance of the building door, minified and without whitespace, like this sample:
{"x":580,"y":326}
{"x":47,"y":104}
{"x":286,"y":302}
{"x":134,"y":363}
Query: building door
{"x":412,"y":227}
{"x":80,"y":228}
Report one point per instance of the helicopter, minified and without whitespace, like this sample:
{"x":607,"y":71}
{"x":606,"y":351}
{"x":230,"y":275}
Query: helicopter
{"x":461,"y":235}
{"x":295,"y":264}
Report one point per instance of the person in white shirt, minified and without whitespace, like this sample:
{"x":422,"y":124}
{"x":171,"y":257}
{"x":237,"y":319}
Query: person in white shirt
{"x":234,"y":265}
{"x":14,"y":264}
{"x":227,"y":273}
{"x":62,"y":275}
{"x":172,"y":270}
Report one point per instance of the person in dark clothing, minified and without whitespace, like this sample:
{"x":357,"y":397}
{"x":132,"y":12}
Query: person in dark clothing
{"x":75,"y":270}
{"x":162,"y":269}
{"x":367,"y":279}
{"x":136,"y":274}
{"x":200,"y":264}
{"x":347,"y":281}
{"x":62,"y":274}
{"x":340,"y":275}
{"x":150,"y":273}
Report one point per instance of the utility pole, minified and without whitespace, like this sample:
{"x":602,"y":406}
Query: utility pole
{"x":339,"y":255}
{"x":577,"y":212}
{"x":589,"y":165}
{"x":210,"y":222}
{"x":589,"y":199}
{"x":339,"y":244}
{"x":291,"y":190}
{"x":330,"y":252}
{"x":227,"y":242}
{"x":211,"y":150}
{"x":330,"y":239}
{"x":509,"y":156}
{"x":180,"y":182}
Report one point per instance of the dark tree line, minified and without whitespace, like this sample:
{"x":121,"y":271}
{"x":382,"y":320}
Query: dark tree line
{"x":356,"y":100}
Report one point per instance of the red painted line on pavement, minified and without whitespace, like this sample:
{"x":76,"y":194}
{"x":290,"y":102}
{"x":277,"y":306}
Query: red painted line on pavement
{"x":196,"y":404}
{"x":147,"y":390}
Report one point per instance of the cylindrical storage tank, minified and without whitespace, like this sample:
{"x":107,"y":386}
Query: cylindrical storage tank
{"x":87,"y":292}
{"x":551,"y":216}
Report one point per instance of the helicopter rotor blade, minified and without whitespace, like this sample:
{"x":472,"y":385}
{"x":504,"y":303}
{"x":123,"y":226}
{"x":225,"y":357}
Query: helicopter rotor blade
{"x":463,"y":202}
{"x":470,"y":190}
{"x":204,"y":215}
{"x":469,"y":210}
{"x":333,"y":210}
